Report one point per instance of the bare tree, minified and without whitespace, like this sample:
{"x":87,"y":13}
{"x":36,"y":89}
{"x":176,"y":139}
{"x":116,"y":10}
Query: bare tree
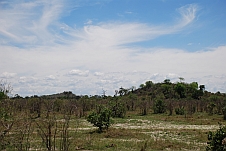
{"x":5,"y":89}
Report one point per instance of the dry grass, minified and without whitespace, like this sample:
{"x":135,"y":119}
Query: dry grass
{"x":157,"y":132}
{"x":151,"y":132}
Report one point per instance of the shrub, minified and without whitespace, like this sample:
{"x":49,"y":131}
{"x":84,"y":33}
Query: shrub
{"x":101,"y":119}
{"x":211,"y":106}
{"x":118,"y":108}
{"x":159,"y":106}
{"x":224,"y":112}
{"x":217,"y":140}
{"x":180,"y":111}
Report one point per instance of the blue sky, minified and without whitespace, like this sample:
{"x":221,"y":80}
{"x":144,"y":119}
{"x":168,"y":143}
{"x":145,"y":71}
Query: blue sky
{"x":85,"y":46}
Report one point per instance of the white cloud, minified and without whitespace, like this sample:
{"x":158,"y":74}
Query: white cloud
{"x":28,"y":80}
{"x":155,"y":64}
{"x":78,"y":72}
{"x":7,"y":75}
{"x":97,"y":53}
{"x":50,"y":77}
{"x":22,"y":79}
{"x":172,"y":76}
{"x":98,"y":74}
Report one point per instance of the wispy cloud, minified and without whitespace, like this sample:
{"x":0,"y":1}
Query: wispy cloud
{"x":188,"y":13}
{"x":31,"y":22}
{"x":118,"y":33}
{"x":35,"y":23}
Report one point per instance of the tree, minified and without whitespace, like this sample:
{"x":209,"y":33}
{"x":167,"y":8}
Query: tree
{"x":181,"y":79}
{"x":104,"y":93}
{"x":117,"y":108}
{"x":211,"y":106}
{"x":167,"y":81}
{"x":159,"y":106}
{"x":6,"y":120}
{"x":193,"y":91}
{"x":5,"y":89}
{"x":101,"y":119}
{"x":144,"y":105}
{"x":122,"y":91}
{"x":142,"y":86}
{"x":217,"y":140}
{"x":148,"y":84}
{"x":202,"y":87}
{"x":180,"y":89}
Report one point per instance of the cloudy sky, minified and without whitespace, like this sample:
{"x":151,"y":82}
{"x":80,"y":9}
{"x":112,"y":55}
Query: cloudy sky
{"x":85,"y":46}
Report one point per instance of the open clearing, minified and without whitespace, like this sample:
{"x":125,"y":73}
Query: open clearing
{"x":134,"y":133}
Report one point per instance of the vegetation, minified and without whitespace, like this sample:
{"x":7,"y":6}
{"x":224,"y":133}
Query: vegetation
{"x":101,"y":118}
{"x":176,"y":115}
{"x":217,"y":140}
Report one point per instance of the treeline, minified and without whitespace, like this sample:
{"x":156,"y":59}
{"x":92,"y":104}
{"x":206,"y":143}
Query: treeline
{"x":48,"y":117}
{"x":166,"y":97}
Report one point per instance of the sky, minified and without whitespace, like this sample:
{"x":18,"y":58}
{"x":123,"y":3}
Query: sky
{"x":87,"y":46}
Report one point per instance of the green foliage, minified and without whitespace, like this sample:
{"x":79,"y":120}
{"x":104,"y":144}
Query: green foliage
{"x":144,"y":105}
{"x":118,"y":108}
{"x":166,"y":89}
{"x":192,"y":90}
{"x":224,"y":112}
{"x":167,"y":81}
{"x":216,"y":140}
{"x":142,"y":86}
{"x":180,"y":110}
{"x":4,"y":115}
{"x":211,"y":106}
{"x":202,"y":87}
{"x":101,"y":119}
{"x":159,"y":106}
{"x":2,"y":95}
{"x":148,"y":84}
{"x":180,"y":89}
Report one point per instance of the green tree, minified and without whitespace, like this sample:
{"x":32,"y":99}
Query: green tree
{"x":148,"y":84}
{"x":180,"y":89}
{"x":101,"y":119}
{"x":211,"y":106}
{"x":144,"y":105}
{"x":122,"y":91}
{"x":159,"y":106}
{"x":181,"y":79}
{"x":142,"y":85}
{"x":6,"y":114}
{"x":217,"y":140}
{"x":167,"y":81}
{"x":117,"y":108}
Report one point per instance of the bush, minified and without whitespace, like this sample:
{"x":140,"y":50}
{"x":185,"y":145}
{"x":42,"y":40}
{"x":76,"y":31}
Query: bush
{"x":118,"y":108}
{"x":101,"y":119}
{"x":180,"y":111}
{"x":224,"y":112}
{"x":210,"y":108}
{"x":217,"y":140}
{"x":159,"y":107}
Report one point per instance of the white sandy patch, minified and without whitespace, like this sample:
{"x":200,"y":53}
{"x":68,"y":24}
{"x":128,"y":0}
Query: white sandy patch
{"x":145,"y":124}
{"x":124,"y":140}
